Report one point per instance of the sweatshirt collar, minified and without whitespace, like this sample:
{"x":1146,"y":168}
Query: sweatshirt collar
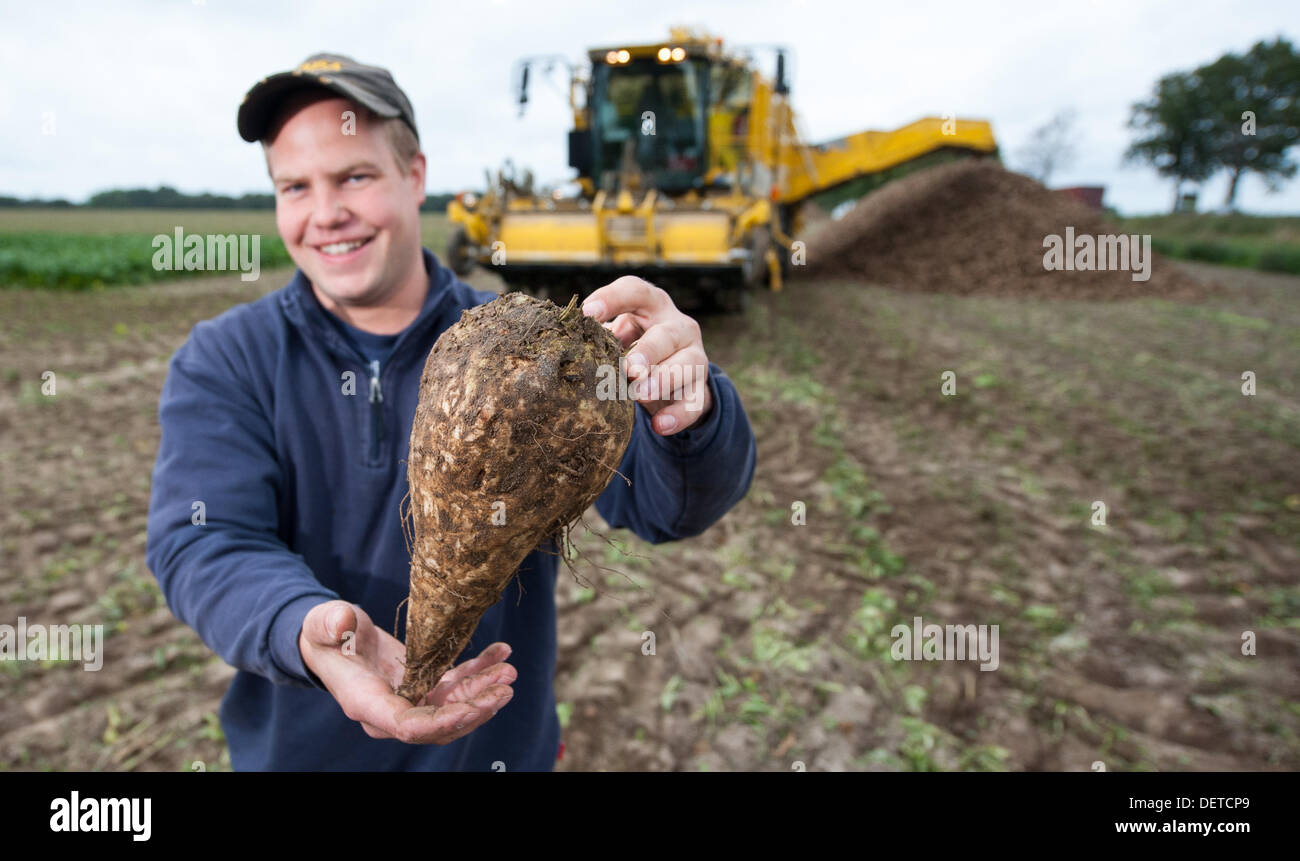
{"x":305,"y":311}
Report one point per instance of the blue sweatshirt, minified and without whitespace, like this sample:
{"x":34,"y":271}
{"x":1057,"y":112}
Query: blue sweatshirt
{"x":278,"y":482}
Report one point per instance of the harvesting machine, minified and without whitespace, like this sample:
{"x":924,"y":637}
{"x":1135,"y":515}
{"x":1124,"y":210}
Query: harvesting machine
{"x":691,"y":173}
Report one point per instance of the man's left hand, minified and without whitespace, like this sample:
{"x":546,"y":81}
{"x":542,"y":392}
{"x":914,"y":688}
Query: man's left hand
{"x":667,"y":365}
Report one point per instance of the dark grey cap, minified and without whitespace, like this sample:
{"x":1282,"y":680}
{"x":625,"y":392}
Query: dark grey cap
{"x":370,"y":86}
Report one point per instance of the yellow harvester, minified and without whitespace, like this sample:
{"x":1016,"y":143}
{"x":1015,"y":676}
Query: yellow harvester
{"x":691,"y":173}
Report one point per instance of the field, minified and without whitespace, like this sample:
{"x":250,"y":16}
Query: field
{"x":1119,"y":644}
{"x":1268,"y":243}
{"x":97,"y":249}
{"x":154,"y":221}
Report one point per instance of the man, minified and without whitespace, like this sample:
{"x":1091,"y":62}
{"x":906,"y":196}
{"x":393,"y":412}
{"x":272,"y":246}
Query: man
{"x":274,"y":525}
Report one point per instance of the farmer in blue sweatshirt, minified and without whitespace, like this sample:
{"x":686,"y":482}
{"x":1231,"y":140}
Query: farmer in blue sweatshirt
{"x":274,"y":525}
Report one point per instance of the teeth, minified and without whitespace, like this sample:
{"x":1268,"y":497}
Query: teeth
{"x":342,"y":247}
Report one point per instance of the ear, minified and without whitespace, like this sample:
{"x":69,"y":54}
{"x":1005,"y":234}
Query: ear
{"x":418,"y":169}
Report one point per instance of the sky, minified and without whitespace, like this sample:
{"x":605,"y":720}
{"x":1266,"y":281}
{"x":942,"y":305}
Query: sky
{"x":140,"y":94}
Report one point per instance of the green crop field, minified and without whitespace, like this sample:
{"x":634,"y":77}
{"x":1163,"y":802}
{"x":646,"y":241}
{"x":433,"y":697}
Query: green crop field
{"x":1267,"y":243}
{"x":94,"y":248}
{"x":79,"y":261}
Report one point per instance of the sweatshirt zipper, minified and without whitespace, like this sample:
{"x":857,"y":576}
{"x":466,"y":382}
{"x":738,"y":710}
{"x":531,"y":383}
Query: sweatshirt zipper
{"x":376,"y":411}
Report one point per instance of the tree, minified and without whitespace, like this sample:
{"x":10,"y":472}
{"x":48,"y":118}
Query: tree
{"x":1240,"y":113}
{"x":1050,"y":147}
{"x":1256,"y":111}
{"x":1175,"y":128}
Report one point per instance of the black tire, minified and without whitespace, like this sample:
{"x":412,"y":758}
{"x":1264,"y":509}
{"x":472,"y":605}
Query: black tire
{"x":754,"y":273}
{"x":734,"y":297}
{"x":785,"y":216}
{"x":460,"y":252}
{"x":740,"y":300}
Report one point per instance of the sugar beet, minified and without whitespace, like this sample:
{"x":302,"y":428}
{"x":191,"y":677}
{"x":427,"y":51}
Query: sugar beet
{"x":509,"y":445}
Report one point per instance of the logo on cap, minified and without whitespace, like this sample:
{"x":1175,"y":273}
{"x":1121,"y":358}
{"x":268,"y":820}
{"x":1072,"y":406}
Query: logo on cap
{"x":321,"y":66}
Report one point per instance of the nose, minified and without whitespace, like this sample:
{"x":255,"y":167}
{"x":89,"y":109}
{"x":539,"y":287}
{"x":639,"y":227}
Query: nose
{"x":328,"y":210}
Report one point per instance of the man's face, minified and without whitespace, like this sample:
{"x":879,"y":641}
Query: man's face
{"x":347,"y":215}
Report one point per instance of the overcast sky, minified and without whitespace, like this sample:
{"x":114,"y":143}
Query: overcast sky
{"x":145,"y":93}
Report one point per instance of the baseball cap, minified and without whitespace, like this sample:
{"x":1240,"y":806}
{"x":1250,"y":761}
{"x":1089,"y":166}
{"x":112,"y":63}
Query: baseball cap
{"x":370,"y":86}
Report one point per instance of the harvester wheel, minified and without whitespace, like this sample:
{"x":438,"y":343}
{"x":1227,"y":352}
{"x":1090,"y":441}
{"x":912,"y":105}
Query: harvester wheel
{"x":789,"y":221}
{"x":733,"y":297}
{"x":738,"y":300}
{"x":460,"y":255}
{"x":754,"y":271}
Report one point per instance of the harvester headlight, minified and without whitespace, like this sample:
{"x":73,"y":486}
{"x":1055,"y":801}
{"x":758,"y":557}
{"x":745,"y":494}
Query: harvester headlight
{"x":469,"y":198}
{"x":611,"y":57}
{"x":665,"y":55}
{"x":679,"y":54}
{"x":624,"y":56}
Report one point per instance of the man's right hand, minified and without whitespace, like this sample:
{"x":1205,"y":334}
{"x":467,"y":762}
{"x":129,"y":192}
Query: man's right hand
{"x":362,"y":666}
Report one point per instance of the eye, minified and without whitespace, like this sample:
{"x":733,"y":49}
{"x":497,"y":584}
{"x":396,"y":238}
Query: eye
{"x":290,"y":189}
{"x":359,"y":176}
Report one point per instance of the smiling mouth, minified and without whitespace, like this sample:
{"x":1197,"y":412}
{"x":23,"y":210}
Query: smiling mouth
{"x":343,"y":249}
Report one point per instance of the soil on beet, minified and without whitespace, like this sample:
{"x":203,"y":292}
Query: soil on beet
{"x":510,"y":444}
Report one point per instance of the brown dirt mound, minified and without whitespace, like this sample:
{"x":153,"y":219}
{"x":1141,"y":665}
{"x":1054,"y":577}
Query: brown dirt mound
{"x":813,"y":213}
{"x":973,"y":227}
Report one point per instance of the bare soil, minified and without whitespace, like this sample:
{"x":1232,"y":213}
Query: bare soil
{"x":1119,"y":644}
